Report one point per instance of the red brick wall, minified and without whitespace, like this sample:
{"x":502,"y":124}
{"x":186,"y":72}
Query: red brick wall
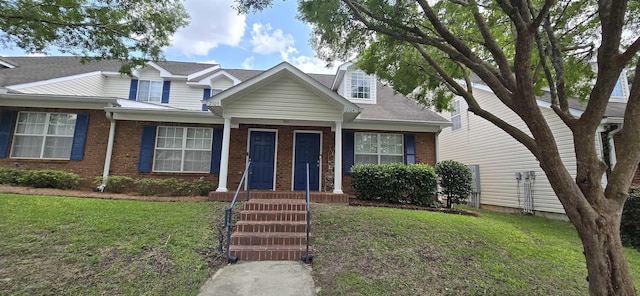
{"x":127,"y":148}
{"x":92,"y":163}
{"x":126,"y":151}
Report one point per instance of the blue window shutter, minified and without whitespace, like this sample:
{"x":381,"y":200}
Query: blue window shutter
{"x":146,"y":148}
{"x":409,"y":149}
{"x":205,"y":95}
{"x":7,"y":117}
{"x":166,"y":88}
{"x":133,"y":89}
{"x":79,"y":136}
{"x":348,"y":157}
{"x":216,"y":150}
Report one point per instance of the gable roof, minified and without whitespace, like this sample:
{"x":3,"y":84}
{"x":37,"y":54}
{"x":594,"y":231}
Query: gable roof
{"x":284,"y":69}
{"x":32,"y":69}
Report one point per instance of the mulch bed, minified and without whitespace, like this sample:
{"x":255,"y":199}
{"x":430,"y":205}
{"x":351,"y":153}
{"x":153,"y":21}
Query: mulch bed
{"x":370,"y":203}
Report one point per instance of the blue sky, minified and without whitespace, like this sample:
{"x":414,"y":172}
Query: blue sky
{"x":217,"y":34}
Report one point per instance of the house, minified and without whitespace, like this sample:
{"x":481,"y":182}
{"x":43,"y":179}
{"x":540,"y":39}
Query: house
{"x":509,"y":175}
{"x":194,"y":120}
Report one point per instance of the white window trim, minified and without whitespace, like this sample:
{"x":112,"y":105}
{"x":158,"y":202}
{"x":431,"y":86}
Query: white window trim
{"x":183,"y":149}
{"x":378,"y":153}
{"x":372,"y":88}
{"x":44,"y":136}
{"x":456,"y":115}
{"x":150,"y":82}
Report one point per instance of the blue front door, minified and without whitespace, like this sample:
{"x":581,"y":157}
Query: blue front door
{"x":307,"y":151}
{"x":262,"y":151}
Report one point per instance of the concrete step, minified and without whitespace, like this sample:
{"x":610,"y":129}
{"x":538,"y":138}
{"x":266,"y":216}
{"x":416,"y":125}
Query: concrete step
{"x":273,"y":216}
{"x":269,"y":238}
{"x":271,"y":226}
{"x":269,"y":252}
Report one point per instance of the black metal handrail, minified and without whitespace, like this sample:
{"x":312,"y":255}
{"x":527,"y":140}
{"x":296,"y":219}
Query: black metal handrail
{"x":228,"y":214}
{"x":307,"y":258}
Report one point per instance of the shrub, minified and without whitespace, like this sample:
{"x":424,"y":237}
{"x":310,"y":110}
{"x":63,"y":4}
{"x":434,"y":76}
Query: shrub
{"x":148,"y":186}
{"x":394,"y":183}
{"x":11,"y":176}
{"x":202,"y":187}
{"x":455,"y":181}
{"x":49,"y":179}
{"x":630,"y":224}
{"x":115,"y":184}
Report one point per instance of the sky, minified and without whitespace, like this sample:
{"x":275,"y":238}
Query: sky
{"x":218,"y":34}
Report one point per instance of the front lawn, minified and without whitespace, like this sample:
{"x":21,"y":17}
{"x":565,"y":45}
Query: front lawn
{"x":381,"y":251}
{"x":77,"y":246}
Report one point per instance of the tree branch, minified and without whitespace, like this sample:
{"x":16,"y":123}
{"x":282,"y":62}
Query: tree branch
{"x":544,"y":12}
{"x":626,"y":56}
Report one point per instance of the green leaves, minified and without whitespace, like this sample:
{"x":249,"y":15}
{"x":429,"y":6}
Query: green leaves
{"x":132,"y":31}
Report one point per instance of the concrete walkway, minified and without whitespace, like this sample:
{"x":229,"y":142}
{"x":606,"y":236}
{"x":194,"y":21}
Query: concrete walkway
{"x":263,"y":278}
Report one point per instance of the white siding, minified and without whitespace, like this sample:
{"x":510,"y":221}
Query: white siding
{"x":117,"y":86}
{"x":283,"y":99}
{"x":185,"y":97}
{"x":500,"y":156}
{"x":221,"y":82}
{"x":83,"y":86}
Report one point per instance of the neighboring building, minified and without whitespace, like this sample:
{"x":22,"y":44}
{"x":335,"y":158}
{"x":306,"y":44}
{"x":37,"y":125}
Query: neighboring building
{"x":510,"y":176}
{"x":192,"y":120}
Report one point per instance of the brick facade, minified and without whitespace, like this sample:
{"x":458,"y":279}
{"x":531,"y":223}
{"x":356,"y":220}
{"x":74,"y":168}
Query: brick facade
{"x":92,"y":163}
{"x":127,"y":142}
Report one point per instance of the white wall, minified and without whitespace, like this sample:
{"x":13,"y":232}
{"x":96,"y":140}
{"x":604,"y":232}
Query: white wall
{"x":500,"y":156}
{"x":82,"y":86}
{"x":283,"y":99}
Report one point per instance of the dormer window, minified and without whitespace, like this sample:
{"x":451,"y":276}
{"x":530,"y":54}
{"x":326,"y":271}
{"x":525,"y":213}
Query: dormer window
{"x":360,"y":86}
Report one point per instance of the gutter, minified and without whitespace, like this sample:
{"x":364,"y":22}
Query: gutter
{"x":107,"y":159}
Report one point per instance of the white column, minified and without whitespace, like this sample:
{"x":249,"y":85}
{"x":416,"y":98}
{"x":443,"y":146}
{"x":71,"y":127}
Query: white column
{"x":224,"y":158}
{"x":337,"y":164}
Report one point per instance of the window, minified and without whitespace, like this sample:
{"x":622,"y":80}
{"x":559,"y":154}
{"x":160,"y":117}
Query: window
{"x":43,"y":135}
{"x":456,"y":119}
{"x":150,"y":91}
{"x":374,"y":148}
{"x":360,"y":86}
{"x":183,"y":149}
{"x":617,"y":90}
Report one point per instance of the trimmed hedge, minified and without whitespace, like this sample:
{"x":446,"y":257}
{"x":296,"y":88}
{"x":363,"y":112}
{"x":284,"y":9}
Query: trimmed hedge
{"x":174,"y":187}
{"x":116,"y":184}
{"x":39,"y":178}
{"x":630,"y":223}
{"x":395,"y":183}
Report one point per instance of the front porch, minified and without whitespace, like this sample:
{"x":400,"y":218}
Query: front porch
{"x":316,"y":197}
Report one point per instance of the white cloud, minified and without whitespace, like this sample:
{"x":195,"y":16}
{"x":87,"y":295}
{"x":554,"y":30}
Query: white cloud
{"x":248,"y":63}
{"x":266,"y":40}
{"x":314,"y":65}
{"x":213,"y":23}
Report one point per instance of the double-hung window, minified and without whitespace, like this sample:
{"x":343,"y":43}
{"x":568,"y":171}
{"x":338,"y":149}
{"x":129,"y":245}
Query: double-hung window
{"x":183,"y":149}
{"x":360,"y":85}
{"x":43,"y":135}
{"x":378,"y":148}
{"x":456,"y":119}
{"x":150,"y":91}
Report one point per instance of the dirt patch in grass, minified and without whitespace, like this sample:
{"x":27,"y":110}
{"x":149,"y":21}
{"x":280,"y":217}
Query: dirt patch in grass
{"x":369,"y":203}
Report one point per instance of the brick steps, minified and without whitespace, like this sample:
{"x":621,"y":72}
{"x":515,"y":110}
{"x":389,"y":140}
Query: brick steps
{"x":271,"y":229}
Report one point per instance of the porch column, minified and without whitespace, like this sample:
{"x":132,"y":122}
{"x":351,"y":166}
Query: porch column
{"x":224,"y":157}
{"x":337,"y":164}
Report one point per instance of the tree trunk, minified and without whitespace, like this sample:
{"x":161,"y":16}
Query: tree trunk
{"x":608,"y":272}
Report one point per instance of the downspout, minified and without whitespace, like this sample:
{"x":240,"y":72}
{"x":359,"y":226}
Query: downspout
{"x":437,"y":143}
{"x":107,"y":159}
{"x":612,"y":150}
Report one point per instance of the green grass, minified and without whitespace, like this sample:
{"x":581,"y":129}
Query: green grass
{"x":77,"y":246}
{"x":379,"y":251}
